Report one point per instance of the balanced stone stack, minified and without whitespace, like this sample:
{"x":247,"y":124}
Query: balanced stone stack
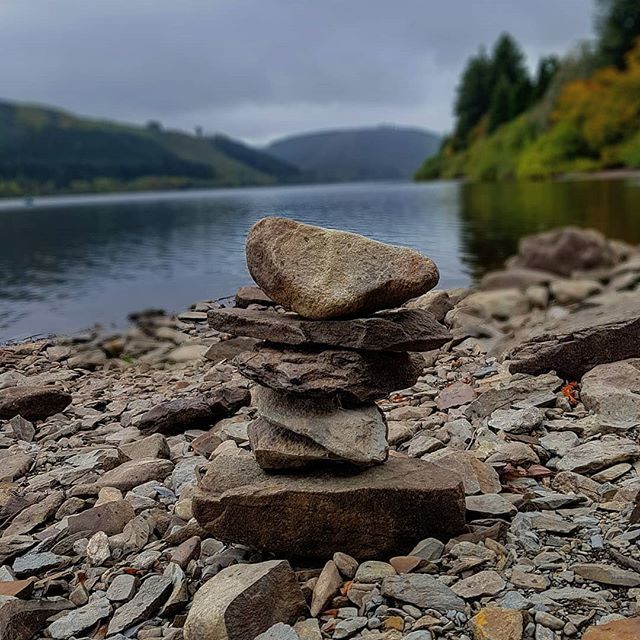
{"x":320,"y":478}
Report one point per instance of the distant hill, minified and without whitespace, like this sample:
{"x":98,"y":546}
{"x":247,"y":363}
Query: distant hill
{"x":379,"y":153}
{"x":44,"y":150}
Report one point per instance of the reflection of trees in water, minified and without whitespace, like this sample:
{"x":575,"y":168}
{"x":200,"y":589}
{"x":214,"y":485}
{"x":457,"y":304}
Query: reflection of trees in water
{"x":495,"y":215}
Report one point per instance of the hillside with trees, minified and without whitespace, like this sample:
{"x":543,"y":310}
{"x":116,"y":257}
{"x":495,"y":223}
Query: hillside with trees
{"x":47,"y":151}
{"x":576,"y":114}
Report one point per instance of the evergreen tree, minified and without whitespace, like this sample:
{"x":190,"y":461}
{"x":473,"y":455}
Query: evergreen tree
{"x":473,"y":97}
{"x":547,"y":68}
{"x":508,"y":63}
{"x":618,"y":26}
{"x":503,"y":103}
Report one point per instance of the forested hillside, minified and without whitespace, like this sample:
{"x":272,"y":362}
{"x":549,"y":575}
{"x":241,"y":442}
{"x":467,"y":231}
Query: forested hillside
{"x":380,"y":153}
{"x":580,"y":113}
{"x":46,"y":151}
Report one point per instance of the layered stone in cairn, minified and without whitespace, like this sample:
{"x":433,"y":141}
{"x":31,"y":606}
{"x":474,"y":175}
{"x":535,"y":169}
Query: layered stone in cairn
{"x":317,"y":377}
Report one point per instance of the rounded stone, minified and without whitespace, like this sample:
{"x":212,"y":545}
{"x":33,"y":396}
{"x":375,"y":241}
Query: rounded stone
{"x":324,"y":273}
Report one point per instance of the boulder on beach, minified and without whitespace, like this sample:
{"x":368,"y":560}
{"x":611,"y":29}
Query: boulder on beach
{"x":324,"y":273}
{"x":575,"y":344}
{"x":377,"y":512}
{"x":565,"y":250}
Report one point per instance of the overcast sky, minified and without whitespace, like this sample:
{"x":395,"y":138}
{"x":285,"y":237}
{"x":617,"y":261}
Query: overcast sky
{"x":258,"y":69}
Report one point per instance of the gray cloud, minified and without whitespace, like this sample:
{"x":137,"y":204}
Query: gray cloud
{"x":258,"y":69}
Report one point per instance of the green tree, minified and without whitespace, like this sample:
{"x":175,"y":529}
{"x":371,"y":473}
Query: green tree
{"x":547,"y":68}
{"x":618,"y":26}
{"x":508,"y":63}
{"x":503,"y":103}
{"x":473,"y":97}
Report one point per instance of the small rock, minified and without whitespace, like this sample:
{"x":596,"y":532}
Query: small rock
{"x":607,"y":574}
{"x":72,"y":623}
{"x":142,"y":606}
{"x":374,"y":571}
{"x":32,"y":403}
{"x":484,"y":583}
{"x":21,"y":429}
{"x":422,"y":590}
{"x":489,"y":504}
{"x":279,"y":631}
{"x":328,"y":584}
{"x":122,"y":588}
{"x":618,"y":630}
{"x":497,"y":624}
{"x":243,"y":601}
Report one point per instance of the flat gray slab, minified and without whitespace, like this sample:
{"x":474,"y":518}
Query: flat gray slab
{"x":393,"y":330}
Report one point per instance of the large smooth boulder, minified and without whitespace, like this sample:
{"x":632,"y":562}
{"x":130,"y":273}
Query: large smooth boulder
{"x":393,"y":330}
{"x":358,"y":434}
{"x":244,"y":600}
{"x":324,"y":273}
{"x":356,"y":376}
{"x":377,"y":512}
{"x":613,"y":391}
{"x":575,"y":344}
{"x":565,"y":250}
{"x":32,"y":403}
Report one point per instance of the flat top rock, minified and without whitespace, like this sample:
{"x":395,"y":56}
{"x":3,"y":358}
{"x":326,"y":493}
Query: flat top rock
{"x":393,"y":330}
{"x":326,"y":273}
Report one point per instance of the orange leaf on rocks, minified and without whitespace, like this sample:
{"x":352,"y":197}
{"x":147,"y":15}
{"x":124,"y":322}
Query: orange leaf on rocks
{"x":570,"y":392}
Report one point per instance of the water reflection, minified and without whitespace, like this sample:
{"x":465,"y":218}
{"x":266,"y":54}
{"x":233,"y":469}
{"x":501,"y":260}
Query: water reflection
{"x":496,"y":216}
{"x":74,"y":262}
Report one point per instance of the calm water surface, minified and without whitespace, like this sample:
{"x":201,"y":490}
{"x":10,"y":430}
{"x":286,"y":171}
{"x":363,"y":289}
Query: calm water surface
{"x":67,"y":263}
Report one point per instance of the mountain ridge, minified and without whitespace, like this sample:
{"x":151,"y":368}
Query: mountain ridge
{"x":359,"y":153}
{"x":48,"y":150}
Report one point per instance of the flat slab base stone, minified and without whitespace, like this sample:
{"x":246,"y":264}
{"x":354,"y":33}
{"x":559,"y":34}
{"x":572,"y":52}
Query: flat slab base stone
{"x":378,"y":512}
{"x":392,"y":330}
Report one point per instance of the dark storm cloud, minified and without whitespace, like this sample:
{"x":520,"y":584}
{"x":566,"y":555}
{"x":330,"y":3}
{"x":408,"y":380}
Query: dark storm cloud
{"x":260,"y":68}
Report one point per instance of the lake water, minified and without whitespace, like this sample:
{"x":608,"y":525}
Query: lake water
{"x":68,"y":263}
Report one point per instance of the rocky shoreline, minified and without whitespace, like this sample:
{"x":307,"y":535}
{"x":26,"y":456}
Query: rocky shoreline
{"x":532,"y":401}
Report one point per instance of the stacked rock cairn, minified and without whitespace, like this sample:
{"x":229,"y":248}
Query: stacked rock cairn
{"x":320,"y":477}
